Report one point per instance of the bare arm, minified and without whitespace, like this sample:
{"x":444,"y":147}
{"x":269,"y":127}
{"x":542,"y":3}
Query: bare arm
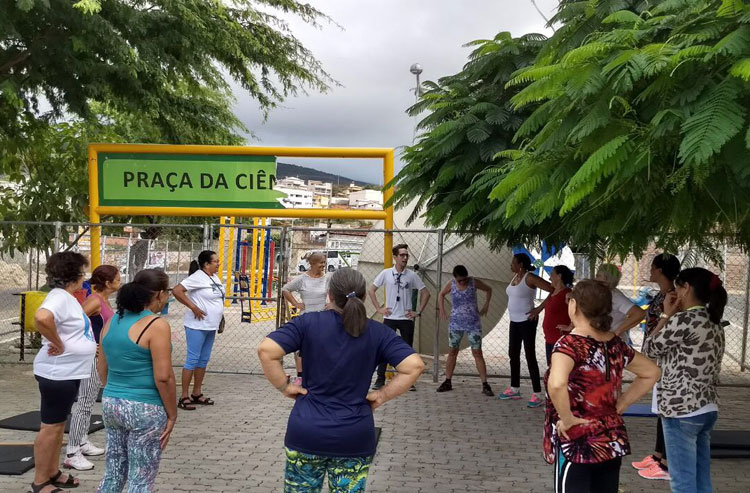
{"x":424,"y":298}
{"x":180,"y":294}
{"x":632,"y":318}
{"x":441,"y":300}
{"x":557,"y":388}
{"x":646,"y":375}
{"x":408,"y":371}
{"x":479,"y":284}
{"x":381,"y":309}
{"x":160,"y":345}
{"x":271,"y":355}
{"x":92,"y":306}
{"x":534,"y":281}
{"x":101,"y":361}
{"x":289,"y":297}
{"x":45,"y":324}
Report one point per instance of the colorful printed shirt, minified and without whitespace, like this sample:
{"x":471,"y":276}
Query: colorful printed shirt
{"x":655,"y":309}
{"x":594,"y":385}
{"x":464,"y":312}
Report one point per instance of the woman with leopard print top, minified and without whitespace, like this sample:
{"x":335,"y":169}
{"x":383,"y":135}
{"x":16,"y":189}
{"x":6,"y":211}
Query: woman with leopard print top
{"x":688,"y":344}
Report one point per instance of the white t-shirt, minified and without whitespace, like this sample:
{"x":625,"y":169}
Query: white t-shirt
{"x":313,"y":290}
{"x":208,"y":294}
{"x":621,"y":305}
{"x":398,"y":287}
{"x":74,"y":329}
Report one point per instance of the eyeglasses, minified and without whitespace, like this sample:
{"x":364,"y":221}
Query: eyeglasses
{"x":403,"y":255}
{"x":81,"y":274}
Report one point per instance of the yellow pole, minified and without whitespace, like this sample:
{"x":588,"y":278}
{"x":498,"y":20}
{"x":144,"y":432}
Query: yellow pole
{"x":222,"y":220}
{"x":387,"y":194}
{"x":254,"y":260}
{"x":95,"y":233}
{"x":230,"y":259}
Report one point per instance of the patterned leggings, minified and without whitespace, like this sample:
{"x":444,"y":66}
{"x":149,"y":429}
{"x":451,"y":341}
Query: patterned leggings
{"x":133,"y":449}
{"x":305,"y":473}
{"x":81,"y":413}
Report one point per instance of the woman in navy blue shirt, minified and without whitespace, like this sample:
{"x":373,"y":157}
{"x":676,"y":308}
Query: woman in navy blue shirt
{"x":331,"y":428}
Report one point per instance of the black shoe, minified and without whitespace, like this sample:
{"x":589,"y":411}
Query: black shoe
{"x":413,"y":389}
{"x":487,"y":390}
{"x":378,"y":385}
{"x":445,"y":386}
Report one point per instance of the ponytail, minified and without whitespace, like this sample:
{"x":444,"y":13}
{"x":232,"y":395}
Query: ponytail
{"x":347,"y":289}
{"x":135,"y":296}
{"x":193,"y":267}
{"x":708,"y":288}
{"x":203,"y":258}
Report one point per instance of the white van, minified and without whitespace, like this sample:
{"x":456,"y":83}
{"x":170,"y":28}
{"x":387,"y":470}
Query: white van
{"x":336,"y":260}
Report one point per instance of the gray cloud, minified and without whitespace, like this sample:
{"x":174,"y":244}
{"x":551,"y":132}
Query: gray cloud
{"x":370,"y":57}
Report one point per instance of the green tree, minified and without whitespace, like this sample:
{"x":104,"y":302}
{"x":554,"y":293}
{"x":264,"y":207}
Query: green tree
{"x":470,"y":119}
{"x":638,"y":130}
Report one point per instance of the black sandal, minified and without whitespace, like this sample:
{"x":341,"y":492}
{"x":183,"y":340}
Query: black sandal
{"x":207,"y":401}
{"x":186,"y":404}
{"x":37,"y":488}
{"x":70,"y":483}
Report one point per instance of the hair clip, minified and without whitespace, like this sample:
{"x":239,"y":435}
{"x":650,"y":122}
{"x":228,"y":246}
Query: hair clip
{"x":352,"y":295}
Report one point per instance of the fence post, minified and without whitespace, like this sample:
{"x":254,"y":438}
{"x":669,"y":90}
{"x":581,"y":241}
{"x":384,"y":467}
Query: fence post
{"x":208,"y":231}
{"x":58,"y":225}
{"x":436,"y":353}
{"x":745,"y":316}
{"x":280,"y":282}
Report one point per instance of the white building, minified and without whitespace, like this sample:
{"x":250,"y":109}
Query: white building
{"x":322,"y":192}
{"x":295,"y":198}
{"x":366,"y":199}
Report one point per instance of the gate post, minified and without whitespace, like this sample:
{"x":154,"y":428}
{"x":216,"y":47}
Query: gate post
{"x":436,"y":351}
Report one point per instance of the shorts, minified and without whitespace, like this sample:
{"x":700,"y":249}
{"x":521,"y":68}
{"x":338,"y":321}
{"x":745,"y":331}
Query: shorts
{"x":455,"y":336}
{"x":58,"y":397}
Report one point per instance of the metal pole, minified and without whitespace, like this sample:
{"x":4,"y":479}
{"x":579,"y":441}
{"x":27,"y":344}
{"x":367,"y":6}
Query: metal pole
{"x":743,"y":355}
{"x":436,"y":354}
{"x":179,"y":251}
{"x":127,"y":257}
{"x":282,"y":262}
{"x":166,"y":257}
{"x":208,"y":234}
{"x":31,"y":268}
{"x":58,"y":225}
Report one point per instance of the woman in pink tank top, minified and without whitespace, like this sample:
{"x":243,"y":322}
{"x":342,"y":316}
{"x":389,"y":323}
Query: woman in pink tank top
{"x":105,"y":281}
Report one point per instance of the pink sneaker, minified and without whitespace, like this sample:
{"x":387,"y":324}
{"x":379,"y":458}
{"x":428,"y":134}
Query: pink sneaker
{"x":655,"y":472}
{"x":646,"y":463}
{"x":535,"y":401}
{"x":509,"y":394}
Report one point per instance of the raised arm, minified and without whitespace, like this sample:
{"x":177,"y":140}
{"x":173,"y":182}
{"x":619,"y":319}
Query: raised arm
{"x":632,"y":318}
{"x":92,"y":306}
{"x":646,"y":375}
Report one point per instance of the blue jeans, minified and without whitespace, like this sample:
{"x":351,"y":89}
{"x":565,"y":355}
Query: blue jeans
{"x":199,"y":345}
{"x":688,"y":443}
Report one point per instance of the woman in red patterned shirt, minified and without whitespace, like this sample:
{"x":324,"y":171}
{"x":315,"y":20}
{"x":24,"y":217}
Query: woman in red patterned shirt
{"x":584,"y":433}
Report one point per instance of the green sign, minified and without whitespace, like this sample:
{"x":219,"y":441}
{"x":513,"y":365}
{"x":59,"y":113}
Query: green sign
{"x":188,"y":180}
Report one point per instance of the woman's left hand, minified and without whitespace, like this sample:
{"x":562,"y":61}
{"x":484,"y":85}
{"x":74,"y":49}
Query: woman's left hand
{"x":484,"y":311}
{"x":564,"y":426}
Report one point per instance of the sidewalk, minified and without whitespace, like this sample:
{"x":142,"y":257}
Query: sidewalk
{"x":451,"y":442}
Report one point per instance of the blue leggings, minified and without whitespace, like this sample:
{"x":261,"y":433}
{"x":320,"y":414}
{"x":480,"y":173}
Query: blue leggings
{"x":199,"y":345}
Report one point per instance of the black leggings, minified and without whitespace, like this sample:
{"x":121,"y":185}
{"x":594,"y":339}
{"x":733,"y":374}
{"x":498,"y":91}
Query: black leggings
{"x":523,"y":333}
{"x":603,"y":477}
{"x":406,"y":330}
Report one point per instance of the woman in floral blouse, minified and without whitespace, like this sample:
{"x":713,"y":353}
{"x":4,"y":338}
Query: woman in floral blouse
{"x":584,"y":433}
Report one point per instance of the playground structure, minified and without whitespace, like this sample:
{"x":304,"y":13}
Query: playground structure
{"x":186,"y":180}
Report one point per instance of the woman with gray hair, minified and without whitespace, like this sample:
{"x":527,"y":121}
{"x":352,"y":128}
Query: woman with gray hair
{"x":625,"y":313}
{"x":331,"y":427}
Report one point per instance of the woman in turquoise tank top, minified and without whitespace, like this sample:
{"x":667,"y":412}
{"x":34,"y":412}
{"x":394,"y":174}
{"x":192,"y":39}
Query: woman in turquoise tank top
{"x":139,"y":403}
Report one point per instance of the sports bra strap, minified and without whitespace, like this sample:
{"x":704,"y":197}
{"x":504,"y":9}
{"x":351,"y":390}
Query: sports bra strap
{"x":146,"y":328}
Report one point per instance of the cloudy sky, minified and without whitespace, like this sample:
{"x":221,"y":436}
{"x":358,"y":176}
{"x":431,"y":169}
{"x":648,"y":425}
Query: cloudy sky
{"x":370,"y":55}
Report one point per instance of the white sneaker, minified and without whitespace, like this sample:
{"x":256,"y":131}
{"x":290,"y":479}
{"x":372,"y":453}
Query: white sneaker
{"x":90,"y":449}
{"x":78,"y":462}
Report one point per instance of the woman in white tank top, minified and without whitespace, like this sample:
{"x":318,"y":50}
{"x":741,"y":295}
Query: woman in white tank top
{"x":524,"y":318}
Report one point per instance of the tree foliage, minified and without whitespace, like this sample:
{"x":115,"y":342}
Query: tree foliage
{"x":637,"y":131}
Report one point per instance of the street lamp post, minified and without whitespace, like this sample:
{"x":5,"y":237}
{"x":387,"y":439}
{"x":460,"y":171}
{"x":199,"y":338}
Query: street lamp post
{"x":416,"y":69}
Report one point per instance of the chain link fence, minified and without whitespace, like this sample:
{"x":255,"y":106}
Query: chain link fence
{"x":259,"y":258}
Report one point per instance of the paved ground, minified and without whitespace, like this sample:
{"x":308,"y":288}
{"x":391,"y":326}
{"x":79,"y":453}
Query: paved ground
{"x":453,"y":442}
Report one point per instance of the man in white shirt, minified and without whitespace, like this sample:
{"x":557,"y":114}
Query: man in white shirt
{"x":397,"y":310}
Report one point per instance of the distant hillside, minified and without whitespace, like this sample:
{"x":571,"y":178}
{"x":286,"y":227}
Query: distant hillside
{"x":285,"y":170}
